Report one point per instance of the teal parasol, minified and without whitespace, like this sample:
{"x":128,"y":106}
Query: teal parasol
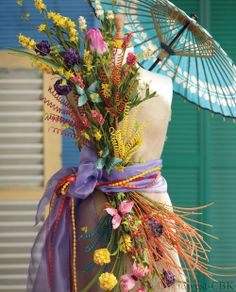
{"x":175,"y":45}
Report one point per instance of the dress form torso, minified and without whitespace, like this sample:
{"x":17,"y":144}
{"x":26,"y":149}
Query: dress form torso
{"x":157,"y":113}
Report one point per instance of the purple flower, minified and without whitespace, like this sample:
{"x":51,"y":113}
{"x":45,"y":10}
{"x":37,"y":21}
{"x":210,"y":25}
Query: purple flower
{"x":43,"y":48}
{"x":168,"y":278}
{"x":62,"y":89}
{"x":71,"y":57}
{"x":157,"y":228}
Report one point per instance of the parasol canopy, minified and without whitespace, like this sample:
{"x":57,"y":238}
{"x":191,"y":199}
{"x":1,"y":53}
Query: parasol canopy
{"x":175,"y":45}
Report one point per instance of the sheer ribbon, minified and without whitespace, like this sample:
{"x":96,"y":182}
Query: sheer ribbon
{"x":51,"y":263}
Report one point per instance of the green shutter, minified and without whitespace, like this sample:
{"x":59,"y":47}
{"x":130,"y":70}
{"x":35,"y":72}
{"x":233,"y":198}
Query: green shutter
{"x":199,"y":157}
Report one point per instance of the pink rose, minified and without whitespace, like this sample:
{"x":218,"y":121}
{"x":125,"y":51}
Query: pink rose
{"x":98,"y":117}
{"x":96,"y":41}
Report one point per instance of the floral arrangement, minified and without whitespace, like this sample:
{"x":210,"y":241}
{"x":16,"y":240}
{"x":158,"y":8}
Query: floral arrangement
{"x":97,"y":92}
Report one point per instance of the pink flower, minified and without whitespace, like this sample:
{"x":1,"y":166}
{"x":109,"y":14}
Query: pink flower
{"x":139,"y":271}
{"x":131,"y":59}
{"x":140,"y":289}
{"x":128,"y":281}
{"x":124,"y":208}
{"x":127,"y":40}
{"x":78,"y":80}
{"x":96,"y":41}
{"x":98,"y":117}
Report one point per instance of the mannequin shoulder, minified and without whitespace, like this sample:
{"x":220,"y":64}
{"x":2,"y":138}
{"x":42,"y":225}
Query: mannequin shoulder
{"x":159,"y":83}
{"x":156,"y":79}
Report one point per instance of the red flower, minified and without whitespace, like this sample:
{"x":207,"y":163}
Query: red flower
{"x":131,"y":59}
{"x":86,"y":122}
{"x":126,"y":40}
{"x":78,"y":80}
{"x":98,"y":117}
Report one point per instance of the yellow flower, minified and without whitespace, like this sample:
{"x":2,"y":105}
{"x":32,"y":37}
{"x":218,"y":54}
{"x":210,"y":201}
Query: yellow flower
{"x":125,"y":243}
{"x":107,"y":281}
{"x":51,"y":15}
{"x":68,"y":74}
{"x":86,"y":55}
{"x":117,"y":44}
{"x":61,"y":71}
{"x":120,"y":168}
{"x":42,"y":27}
{"x":60,"y":21}
{"x":74,"y":39}
{"x":26,"y":42}
{"x":86,"y":136}
{"x":70,"y":24}
{"x":40,"y":5}
{"x":97,"y":135}
{"x":100,"y":152}
{"x":106,"y":90}
{"x":102,"y":256}
{"x":31,"y":44}
{"x":43,"y":67}
{"x":89,"y":66}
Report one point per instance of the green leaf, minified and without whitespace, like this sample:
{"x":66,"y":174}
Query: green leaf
{"x":94,"y":86}
{"x":82,"y":100}
{"x":95,"y":97}
{"x":100,"y":163}
{"x":145,"y":257}
{"x":112,"y":163}
{"x":19,"y":2}
{"x":34,"y":57}
{"x":105,"y":152}
{"x":79,"y":90}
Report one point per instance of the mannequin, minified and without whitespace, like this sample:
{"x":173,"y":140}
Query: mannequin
{"x":157,"y":111}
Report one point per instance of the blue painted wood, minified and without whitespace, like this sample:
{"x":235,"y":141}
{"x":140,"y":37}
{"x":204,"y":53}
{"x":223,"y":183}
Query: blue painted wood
{"x":11,"y":23}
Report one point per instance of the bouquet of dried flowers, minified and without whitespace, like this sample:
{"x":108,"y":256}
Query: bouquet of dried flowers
{"x":97,"y":90}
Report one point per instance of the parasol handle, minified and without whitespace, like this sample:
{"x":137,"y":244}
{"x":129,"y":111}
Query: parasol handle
{"x":193,"y":16}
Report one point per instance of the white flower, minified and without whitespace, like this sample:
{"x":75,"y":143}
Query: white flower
{"x":82,"y":23}
{"x":110,"y":15}
{"x":150,"y":50}
{"x":99,"y":12}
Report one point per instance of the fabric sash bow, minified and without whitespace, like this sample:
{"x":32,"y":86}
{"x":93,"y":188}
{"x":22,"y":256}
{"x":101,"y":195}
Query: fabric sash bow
{"x":88,"y":177}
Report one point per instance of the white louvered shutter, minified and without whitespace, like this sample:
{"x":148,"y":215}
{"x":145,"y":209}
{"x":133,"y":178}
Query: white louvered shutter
{"x":16,"y":238}
{"x":21,"y":128}
{"x":21,"y":168}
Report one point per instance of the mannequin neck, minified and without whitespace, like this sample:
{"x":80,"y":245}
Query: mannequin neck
{"x":127,"y":51}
